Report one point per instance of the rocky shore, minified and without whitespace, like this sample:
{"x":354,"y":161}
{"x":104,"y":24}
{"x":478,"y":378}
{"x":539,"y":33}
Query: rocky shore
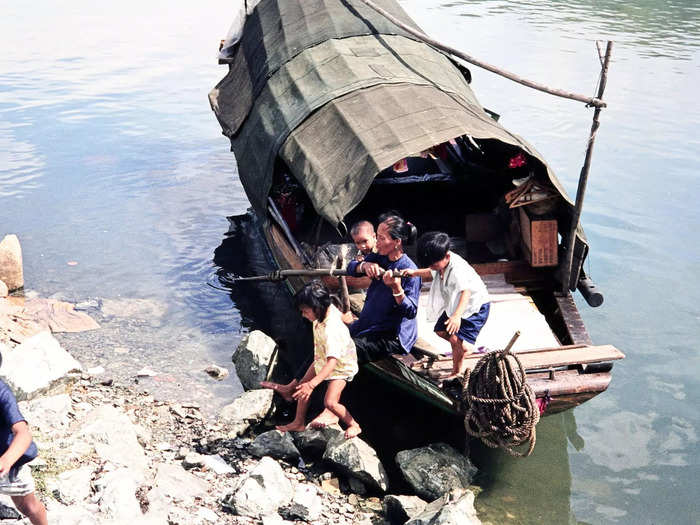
{"x":109,"y":453}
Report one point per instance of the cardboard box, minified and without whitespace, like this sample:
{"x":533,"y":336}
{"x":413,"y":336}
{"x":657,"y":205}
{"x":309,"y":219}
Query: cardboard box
{"x":540,"y":239}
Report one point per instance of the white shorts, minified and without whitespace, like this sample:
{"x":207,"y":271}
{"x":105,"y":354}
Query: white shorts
{"x":23,"y":485}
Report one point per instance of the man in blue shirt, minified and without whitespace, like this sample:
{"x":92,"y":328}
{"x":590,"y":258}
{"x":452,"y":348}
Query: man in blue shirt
{"x":17,"y":449}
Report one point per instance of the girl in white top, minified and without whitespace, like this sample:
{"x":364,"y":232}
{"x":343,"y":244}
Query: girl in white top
{"x":335,"y":360}
{"x":458,"y":298}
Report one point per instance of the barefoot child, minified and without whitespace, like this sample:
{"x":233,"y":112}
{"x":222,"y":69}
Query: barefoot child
{"x":335,"y":359}
{"x":457,"y":295}
{"x":16,"y":449}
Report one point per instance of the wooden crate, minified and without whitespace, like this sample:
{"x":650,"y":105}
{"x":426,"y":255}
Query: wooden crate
{"x":539,"y":235}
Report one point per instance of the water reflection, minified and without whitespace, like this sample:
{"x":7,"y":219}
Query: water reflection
{"x":665,"y":28}
{"x":536,"y":489}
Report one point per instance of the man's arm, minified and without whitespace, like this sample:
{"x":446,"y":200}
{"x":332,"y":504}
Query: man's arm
{"x":19,"y":445}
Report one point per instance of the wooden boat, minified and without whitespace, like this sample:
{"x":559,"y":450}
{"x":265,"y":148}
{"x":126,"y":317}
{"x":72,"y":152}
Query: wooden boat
{"x":335,"y":115}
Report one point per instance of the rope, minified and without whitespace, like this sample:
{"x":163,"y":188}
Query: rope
{"x":501,"y":406}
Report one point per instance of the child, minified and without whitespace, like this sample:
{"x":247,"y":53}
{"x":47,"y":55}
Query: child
{"x":457,"y":295}
{"x":364,"y":237}
{"x":16,"y":449}
{"x":335,"y":360}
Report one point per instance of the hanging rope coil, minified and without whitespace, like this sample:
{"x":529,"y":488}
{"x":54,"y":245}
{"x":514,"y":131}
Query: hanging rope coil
{"x":501,"y":407}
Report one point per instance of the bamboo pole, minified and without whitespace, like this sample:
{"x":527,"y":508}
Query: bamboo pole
{"x":342,"y":281}
{"x":283,"y":274}
{"x":591,"y":101}
{"x":583,"y":178}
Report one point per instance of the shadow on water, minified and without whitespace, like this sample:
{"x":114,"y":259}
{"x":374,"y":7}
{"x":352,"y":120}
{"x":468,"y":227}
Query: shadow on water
{"x":531,"y":490}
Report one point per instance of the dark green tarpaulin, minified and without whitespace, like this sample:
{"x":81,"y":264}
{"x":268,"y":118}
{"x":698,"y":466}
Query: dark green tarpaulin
{"x":278,"y":30}
{"x":338,"y":105}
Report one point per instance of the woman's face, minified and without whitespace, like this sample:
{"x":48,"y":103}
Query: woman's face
{"x":307,"y":313}
{"x":385,"y":244}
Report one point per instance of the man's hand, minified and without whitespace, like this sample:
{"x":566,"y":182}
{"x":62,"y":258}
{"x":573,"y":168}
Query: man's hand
{"x":5,"y":467}
{"x":303,"y":391}
{"x":453,"y":324}
{"x":408,"y":272}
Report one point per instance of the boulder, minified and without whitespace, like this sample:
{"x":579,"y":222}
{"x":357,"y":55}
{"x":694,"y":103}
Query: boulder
{"x":50,"y":415}
{"x":276,"y":444}
{"x":454,"y":508}
{"x":73,"y":486}
{"x":313,"y":441}
{"x":399,"y":509}
{"x":38,"y":367}
{"x":117,"y":491}
{"x":356,"y":458}
{"x":246,"y":410}
{"x":260,"y":494}
{"x":11,"y":272}
{"x":305,"y":505}
{"x":4,"y":290}
{"x":217,"y":464}
{"x":252,"y":359}
{"x":435,"y":470}
{"x":173,"y":483}
{"x":112,"y":435}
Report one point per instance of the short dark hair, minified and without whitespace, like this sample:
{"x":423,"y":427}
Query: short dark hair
{"x":432,"y":247}
{"x":361,"y":225}
{"x":315,"y":296}
{"x":400,"y":229}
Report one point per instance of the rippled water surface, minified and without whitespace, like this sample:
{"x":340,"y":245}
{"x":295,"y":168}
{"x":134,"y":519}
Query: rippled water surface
{"x":111,"y":158}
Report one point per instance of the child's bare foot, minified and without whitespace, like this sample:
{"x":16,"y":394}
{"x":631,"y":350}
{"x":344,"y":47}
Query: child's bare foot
{"x":324,"y":419}
{"x":285,"y":391}
{"x":352,"y":431}
{"x":294,"y":426}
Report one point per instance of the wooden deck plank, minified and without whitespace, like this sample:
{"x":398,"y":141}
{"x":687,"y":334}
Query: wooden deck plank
{"x":551,"y":358}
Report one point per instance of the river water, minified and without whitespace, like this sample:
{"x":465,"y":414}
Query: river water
{"x":114,"y":175}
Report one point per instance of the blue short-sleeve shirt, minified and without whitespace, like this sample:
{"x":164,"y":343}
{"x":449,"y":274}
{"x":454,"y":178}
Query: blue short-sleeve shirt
{"x":9,"y":415}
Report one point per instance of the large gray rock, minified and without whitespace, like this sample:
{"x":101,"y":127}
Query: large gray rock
{"x":435,"y":470}
{"x":399,"y":509}
{"x":173,"y":484}
{"x":37,"y":367}
{"x":11,"y":272}
{"x":453,"y":508}
{"x":313,"y":441}
{"x":50,"y":414}
{"x":276,"y":444}
{"x":73,"y":486}
{"x":117,"y":491}
{"x":252,"y":359}
{"x":260,"y":494}
{"x":305,"y":505}
{"x":356,"y":458}
{"x":246,"y":410}
{"x":112,"y":435}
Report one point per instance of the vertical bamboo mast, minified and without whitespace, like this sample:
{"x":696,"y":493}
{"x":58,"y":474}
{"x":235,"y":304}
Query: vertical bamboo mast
{"x":583,"y":178}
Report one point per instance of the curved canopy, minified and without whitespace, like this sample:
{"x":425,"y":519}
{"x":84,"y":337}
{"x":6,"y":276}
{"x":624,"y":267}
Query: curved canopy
{"x":340,"y":93}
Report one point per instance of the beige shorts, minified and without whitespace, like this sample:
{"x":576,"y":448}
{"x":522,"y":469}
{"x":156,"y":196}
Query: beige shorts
{"x":22,"y":486}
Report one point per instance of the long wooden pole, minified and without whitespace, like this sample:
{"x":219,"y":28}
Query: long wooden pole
{"x":583,"y":179}
{"x":591,"y":101}
{"x":283,"y":274}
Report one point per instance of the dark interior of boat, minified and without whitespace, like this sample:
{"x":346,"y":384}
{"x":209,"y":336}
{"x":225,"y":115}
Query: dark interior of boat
{"x":457,"y":187}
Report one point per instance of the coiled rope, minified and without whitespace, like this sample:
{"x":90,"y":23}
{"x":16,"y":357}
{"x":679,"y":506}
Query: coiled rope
{"x":500,"y":406}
